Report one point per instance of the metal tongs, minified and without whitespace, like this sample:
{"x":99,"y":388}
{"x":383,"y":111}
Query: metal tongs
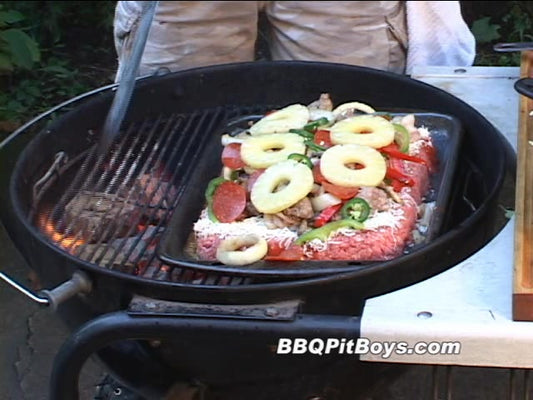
{"x":126,"y":84}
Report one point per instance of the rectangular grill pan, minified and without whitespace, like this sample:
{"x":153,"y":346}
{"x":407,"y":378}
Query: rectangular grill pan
{"x":446,"y":133}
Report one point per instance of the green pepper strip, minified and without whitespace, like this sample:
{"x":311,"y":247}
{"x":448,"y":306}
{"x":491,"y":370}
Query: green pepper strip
{"x":301,"y":158}
{"x":305,"y":134}
{"x":314,"y":146}
{"x":209,"y":192}
{"x":312,"y":126}
{"x":324,"y":232}
{"x":401,"y":137}
{"x":356,"y":209}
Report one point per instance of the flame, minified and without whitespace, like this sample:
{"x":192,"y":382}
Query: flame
{"x":67,"y":242}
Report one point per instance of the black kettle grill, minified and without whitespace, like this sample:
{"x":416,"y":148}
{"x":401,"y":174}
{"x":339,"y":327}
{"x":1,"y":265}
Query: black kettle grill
{"x":153,"y":324}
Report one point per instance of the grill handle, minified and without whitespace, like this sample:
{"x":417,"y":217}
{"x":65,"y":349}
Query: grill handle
{"x":78,"y":284}
{"x":121,"y":327}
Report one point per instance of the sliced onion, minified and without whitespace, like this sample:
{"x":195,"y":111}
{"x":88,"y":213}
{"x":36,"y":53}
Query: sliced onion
{"x":324,"y":201}
{"x":227,"y":139}
{"x":226,"y":173}
{"x":317,"y":189}
{"x":425,"y":216}
{"x":316,"y":113}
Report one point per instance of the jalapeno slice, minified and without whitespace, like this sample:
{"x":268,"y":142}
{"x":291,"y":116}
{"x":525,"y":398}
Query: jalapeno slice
{"x":301,"y":158}
{"x":313,"y":146}
{"x":356,"y":209}
{"x":313,"y":125}
{"x":401,"y":137}
{"x":325,"y":231}
{"x":302,"y":132}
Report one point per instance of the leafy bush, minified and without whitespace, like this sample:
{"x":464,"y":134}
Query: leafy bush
{"x":51,"y":51}
{"x":17,"y":48}
{"x":498,"y":21}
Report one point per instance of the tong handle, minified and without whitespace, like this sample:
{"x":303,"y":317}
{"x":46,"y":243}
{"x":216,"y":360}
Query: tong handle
{"x":126,"y":84}
{"x":515,"y":46}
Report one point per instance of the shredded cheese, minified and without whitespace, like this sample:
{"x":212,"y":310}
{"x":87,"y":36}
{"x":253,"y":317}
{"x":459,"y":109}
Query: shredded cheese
{"x":424,"y":132}
{"x":253,"y":225}
{"x":380,"y":219}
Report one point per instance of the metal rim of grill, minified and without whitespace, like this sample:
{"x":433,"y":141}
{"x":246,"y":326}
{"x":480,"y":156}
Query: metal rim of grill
{"x":286,"y":82}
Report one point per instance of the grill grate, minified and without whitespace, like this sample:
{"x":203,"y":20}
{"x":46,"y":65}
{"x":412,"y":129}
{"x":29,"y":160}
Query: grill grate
{"x":114,"y":209}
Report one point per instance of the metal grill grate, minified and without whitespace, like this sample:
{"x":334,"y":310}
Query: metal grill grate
{"x":114,"y":209}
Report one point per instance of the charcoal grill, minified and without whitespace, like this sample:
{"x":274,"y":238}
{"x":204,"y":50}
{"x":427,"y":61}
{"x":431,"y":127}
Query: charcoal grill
{"x":133,"y":295}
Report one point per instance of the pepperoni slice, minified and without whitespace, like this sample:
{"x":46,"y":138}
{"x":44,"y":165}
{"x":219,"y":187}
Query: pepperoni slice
{"x":231,"y":156}
{"x":342,"y":192}
{"x":229,"y":201}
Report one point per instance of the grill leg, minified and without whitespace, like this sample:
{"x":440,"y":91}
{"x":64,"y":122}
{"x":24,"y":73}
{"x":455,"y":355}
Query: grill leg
{"x":512,"y":384}
{"x":519,"y":385}
{"x":436,"y":382}
{"x":527,"y":387}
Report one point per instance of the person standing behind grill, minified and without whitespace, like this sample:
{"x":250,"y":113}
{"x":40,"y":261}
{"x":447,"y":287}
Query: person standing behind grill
{"x":389,"y":35}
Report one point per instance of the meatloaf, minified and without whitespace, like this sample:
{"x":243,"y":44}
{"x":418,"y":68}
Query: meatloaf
{"x":317,"y":183}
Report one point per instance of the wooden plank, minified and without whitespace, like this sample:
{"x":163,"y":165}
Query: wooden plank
{"x":523,"y":266}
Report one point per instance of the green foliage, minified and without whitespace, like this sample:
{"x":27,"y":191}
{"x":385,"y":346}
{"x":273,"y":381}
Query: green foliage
{"x":51,"y":51}
{"x":484,"y":31}
{"x":519,"y":21}
{"x":510,"y":21}
{"x":51,"y":21}
{"x":17,"y":48}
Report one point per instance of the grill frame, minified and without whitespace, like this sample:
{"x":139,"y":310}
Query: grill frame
{"x":115,"y":289}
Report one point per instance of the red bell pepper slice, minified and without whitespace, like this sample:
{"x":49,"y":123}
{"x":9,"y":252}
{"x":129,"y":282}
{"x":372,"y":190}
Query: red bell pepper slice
{"x":326,"y":215}
{"x":317,"y":175}
{"x":397,"y":186}
{"x":393,"y":151}
{"x":291,"y":253}
{"x":394,"y":174}
{"x":323,"y":138}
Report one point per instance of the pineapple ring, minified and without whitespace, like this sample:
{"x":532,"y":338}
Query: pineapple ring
{"x":267,"y":200}
{"x":257,"y":152}
{"x":228,"y":251}
{"x":354,"y":105}
{"x":334,"y":160}
{"x":294,"y":116}
{"x":366,"y":130}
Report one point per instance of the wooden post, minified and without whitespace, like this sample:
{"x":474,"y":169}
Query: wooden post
{"x":523,"y":243}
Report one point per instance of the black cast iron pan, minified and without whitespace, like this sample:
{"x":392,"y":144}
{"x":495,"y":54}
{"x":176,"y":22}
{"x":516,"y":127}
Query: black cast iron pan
{"x":174,"y":249}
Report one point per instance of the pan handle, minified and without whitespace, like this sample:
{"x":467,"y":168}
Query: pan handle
{"x":79,"y":283}
{"x":524,"y":86}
